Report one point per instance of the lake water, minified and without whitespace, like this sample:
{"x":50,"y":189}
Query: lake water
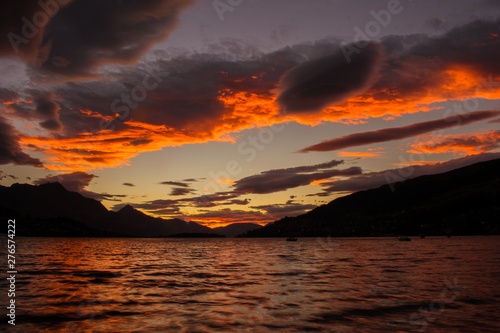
{"x":436,"y":284}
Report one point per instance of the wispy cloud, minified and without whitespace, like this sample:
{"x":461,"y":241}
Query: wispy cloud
{"x":376,"y":179}
{"x":178,"y":184}
{"x":397,"y":133}
{"x":282,"y":179}
{"x":462,"y":144}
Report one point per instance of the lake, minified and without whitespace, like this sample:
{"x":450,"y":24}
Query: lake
{"x":436,"y":284}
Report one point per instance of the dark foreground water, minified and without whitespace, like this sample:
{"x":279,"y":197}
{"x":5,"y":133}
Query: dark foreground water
{"x":435,"y":284}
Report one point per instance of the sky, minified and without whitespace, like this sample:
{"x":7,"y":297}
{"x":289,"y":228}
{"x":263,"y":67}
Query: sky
{"x":244,"y":111}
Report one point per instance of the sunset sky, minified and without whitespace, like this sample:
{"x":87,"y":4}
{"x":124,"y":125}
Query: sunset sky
{"x":244,"y":110}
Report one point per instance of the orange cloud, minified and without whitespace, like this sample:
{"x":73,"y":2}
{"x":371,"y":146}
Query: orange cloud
{"x":226,"y":181}
{"x":243,"y":110}
{"x":108,"y":148}
{"x":320,"y":182}
{"x":357,"y":154}
{"x":246,"y":110}
{"x":461,"y":144}
{"x":457,"y":83}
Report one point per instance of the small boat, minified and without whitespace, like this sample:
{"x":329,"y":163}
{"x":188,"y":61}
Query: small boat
{"x":404,"y":239}
{"x":291,"y":239}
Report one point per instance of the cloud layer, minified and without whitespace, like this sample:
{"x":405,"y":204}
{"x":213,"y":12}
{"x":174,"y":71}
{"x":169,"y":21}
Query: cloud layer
{"x":462,"y":144}
{"x":74,"y":38}
{"x":315,"y":84}
{"x":10,"y":149}
{"x":195,"y":98}
{"x":396,"y":133}
{"x":376,"y":179}
{"x":283,"y":179}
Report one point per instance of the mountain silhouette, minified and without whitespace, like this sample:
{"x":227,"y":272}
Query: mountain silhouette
{"x":52,"y":211}
{"x":144,"y":225}
{"x":463,"y":201}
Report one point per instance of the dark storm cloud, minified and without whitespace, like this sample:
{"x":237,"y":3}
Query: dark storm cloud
{"x":77,"y":182}
{"x":7,"y":95}
{"x":17,"y":38}
{"x":317,"y":83}
{"x":475,"y":44}
{"x":415,"y":64}
{"x":48,"y":109}
{"x":38,"y":105}
{"x":10,"y":150}
{"x":282,"y":179}
{"x":396,"y":133}
{"x":377,"y":179}
{"x":188,"y":92}
{"x":189,"y":97}
{"x":88,"y":33}
{"x":182,"y":93}
{"x":11,"y":102}
{"x":187,"y":89}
